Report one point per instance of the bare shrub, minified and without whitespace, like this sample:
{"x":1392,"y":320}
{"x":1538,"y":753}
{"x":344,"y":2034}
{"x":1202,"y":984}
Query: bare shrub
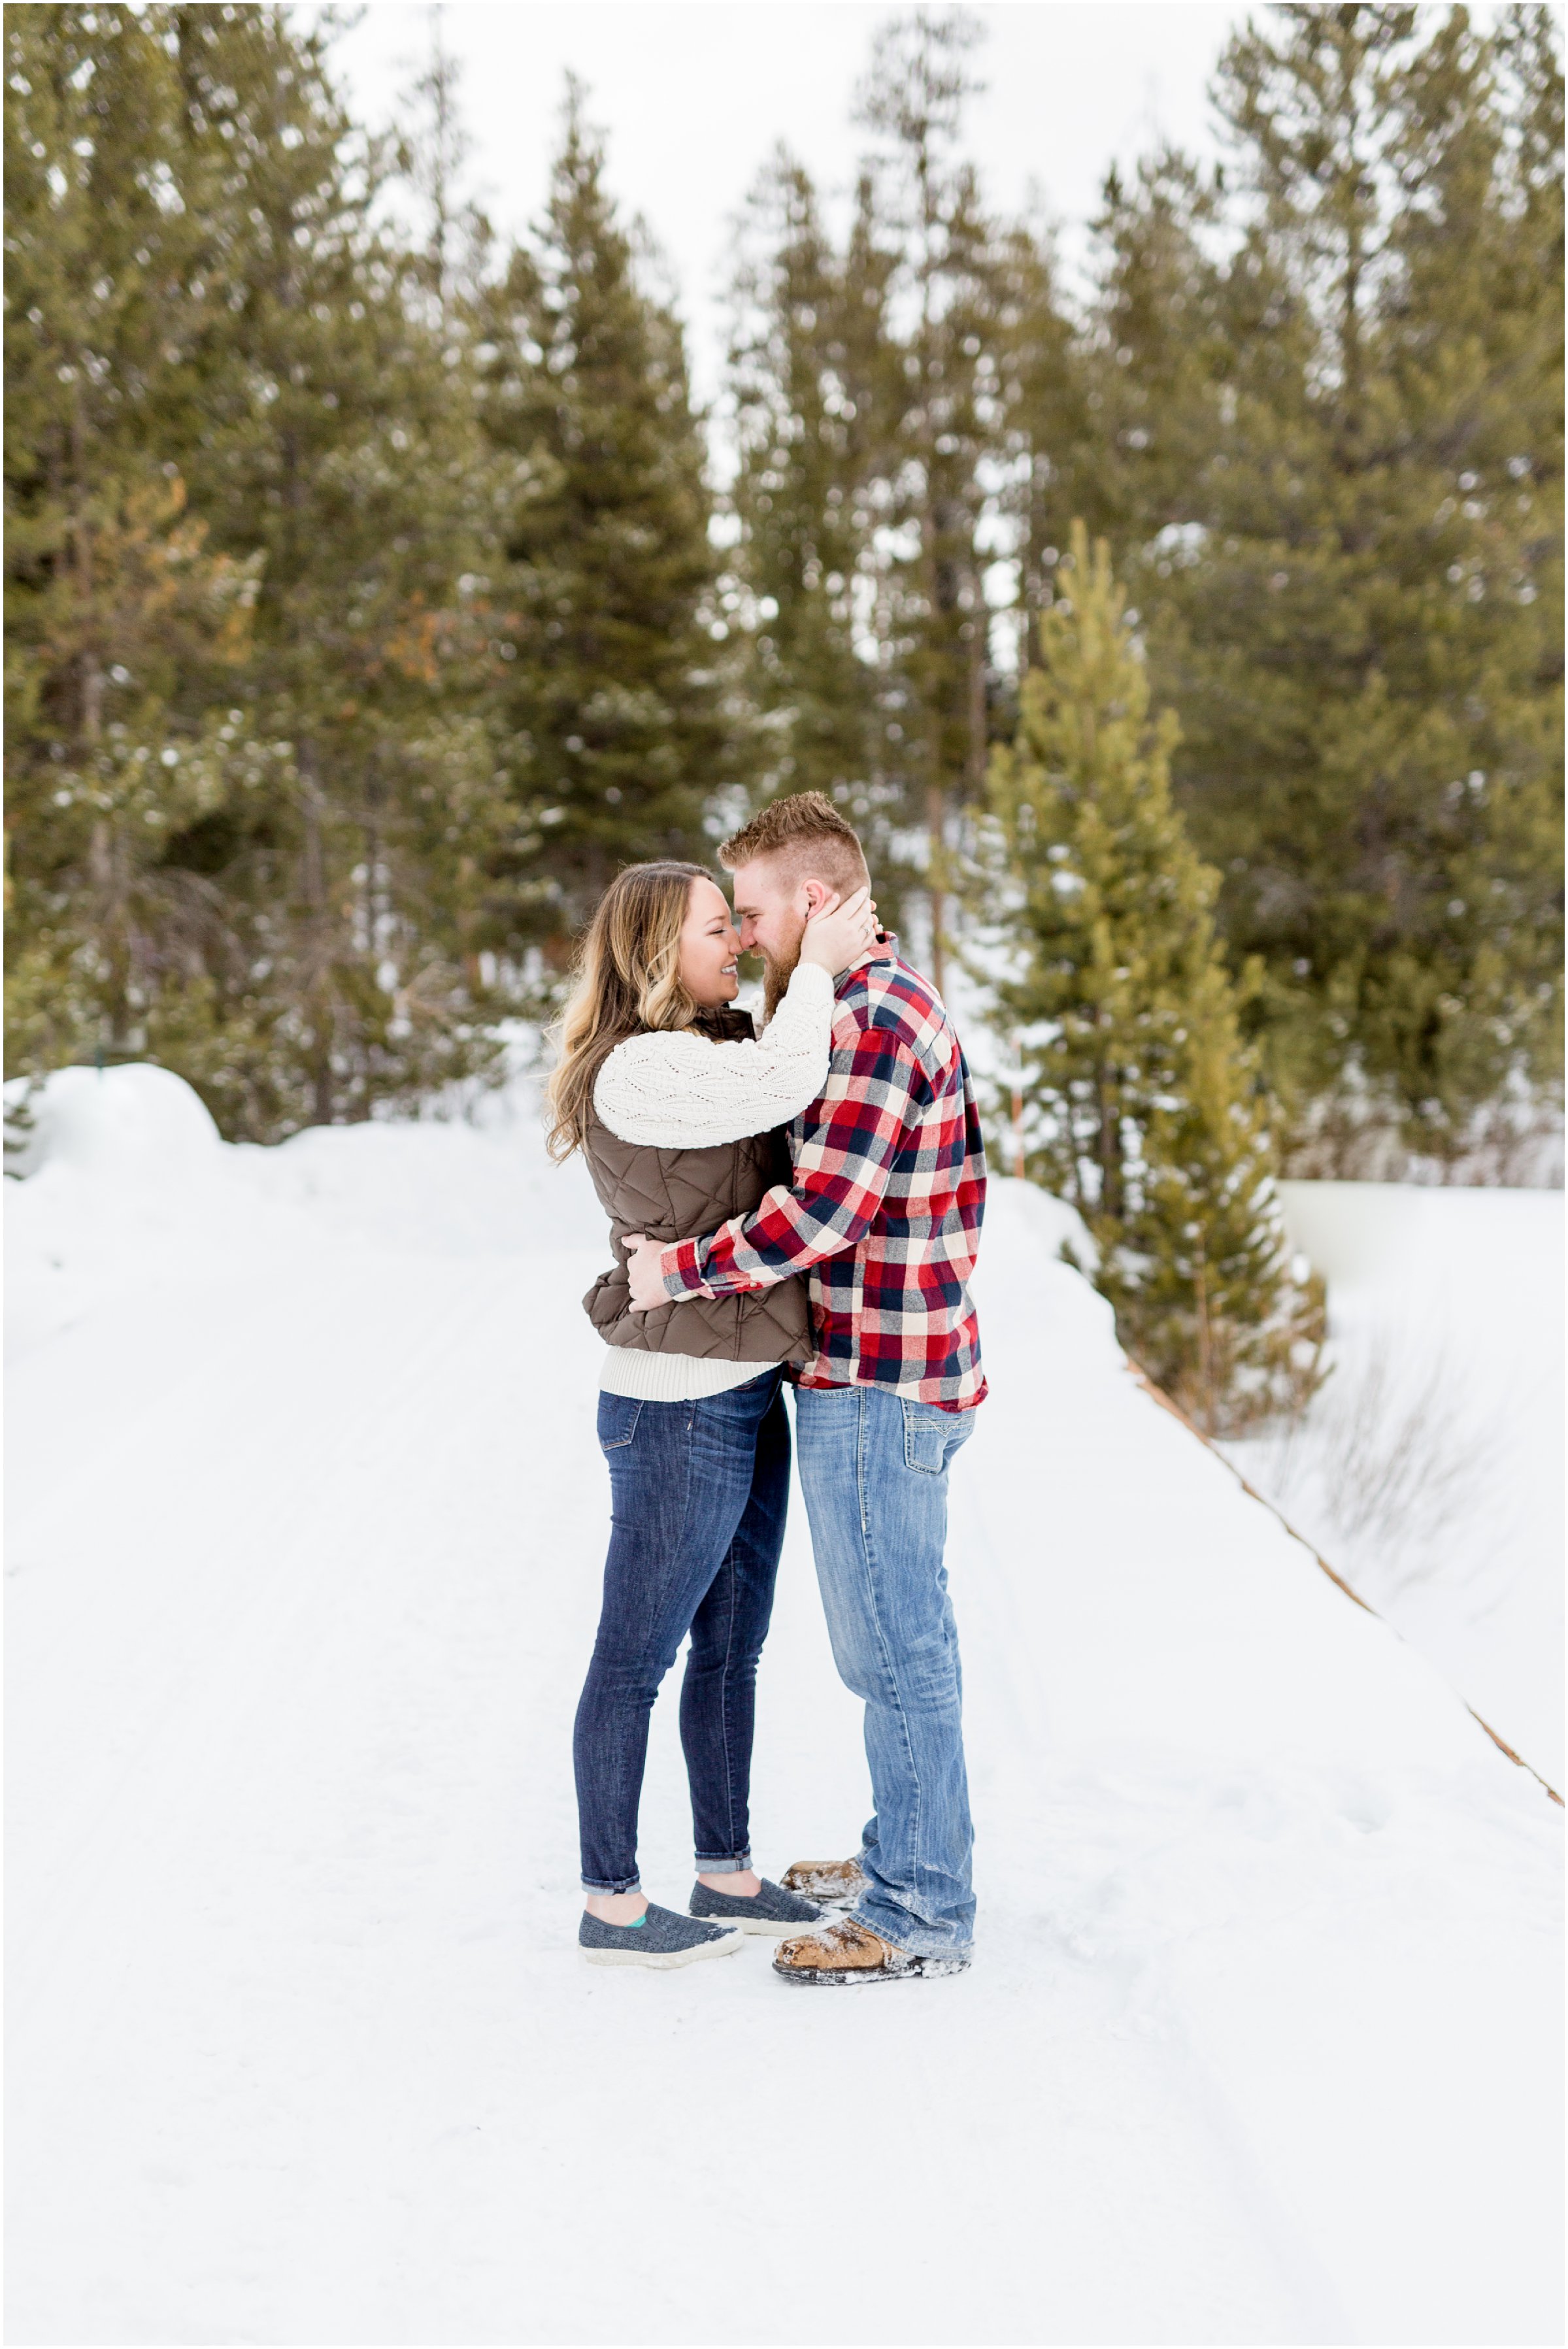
{"x":1383,"y":1466}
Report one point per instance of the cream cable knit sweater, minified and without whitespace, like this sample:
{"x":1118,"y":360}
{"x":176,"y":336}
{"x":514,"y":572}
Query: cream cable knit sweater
{"x":678,"y":1090}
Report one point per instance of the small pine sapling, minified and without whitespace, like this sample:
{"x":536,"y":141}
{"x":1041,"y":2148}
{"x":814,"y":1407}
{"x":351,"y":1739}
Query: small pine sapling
{"x":1143,"y":1106}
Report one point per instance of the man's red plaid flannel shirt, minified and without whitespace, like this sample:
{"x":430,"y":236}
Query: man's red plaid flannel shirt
{"x":885,"y":1206}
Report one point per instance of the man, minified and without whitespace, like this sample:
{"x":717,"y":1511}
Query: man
{"x":883,"y":1214}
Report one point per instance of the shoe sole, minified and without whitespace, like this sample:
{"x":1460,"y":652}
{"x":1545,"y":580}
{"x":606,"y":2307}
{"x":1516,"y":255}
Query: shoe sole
{"x":665,"y":1961}
{"x":865,"y":1977}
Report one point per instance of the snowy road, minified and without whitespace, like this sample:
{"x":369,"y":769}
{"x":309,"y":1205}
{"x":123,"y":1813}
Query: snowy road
{"x":307,"y":1520}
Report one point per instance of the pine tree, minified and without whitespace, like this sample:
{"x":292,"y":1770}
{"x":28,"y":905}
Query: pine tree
{"x":125,"y":631}
{"x":1121,"y":417}
{"x":435,"y":147}
{"x":252,"y":796}
{"x":942,"y":427}
{"x":869,"y":385}
{"x":336,"y":447}
{"x":1143,"y":1106}
{"x":1053,"y":450}
{"x":615,"y":733}
{"x":1336,"y":509}
{"x":809,"y":351}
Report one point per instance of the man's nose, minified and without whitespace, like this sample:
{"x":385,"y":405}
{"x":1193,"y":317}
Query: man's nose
{"x":748,"y":934}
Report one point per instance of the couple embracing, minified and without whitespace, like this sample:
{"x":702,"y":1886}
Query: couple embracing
{"x":800,"y":1207}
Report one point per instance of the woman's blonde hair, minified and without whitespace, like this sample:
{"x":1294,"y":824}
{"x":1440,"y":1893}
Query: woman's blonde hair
{"x":628,"y":979}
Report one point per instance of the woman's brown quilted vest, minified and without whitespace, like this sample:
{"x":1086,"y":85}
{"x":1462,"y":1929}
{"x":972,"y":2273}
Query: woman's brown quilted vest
{"x":677,"y":1195}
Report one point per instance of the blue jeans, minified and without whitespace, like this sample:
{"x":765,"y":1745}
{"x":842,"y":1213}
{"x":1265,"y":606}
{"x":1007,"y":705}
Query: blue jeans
{"x":874,"y":1470}
{"x":698,"y":1493}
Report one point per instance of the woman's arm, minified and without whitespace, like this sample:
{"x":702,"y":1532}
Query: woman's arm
{"x":680,"y":1090}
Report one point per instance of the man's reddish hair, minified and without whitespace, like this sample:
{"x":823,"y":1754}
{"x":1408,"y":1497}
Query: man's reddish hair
{"x":806,"y":834}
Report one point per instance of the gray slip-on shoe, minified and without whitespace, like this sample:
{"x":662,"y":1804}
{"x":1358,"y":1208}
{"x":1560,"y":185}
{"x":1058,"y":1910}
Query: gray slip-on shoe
{"x":659,"y":1939}
{"x":772,"y":1910}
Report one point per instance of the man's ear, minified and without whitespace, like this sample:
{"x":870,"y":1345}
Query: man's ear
{"x":815,"y":895}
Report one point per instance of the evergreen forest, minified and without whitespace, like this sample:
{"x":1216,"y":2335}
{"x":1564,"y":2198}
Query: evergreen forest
{"x":374,"y":591}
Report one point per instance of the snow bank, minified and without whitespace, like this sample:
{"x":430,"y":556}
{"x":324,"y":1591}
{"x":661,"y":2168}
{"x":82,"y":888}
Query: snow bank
{"x":1430,"y":1466}
{"x":307,"y":1517}
{"x":120,"y":1123}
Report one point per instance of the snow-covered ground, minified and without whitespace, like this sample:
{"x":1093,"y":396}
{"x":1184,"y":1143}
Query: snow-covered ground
{"x":1261,"y":2043}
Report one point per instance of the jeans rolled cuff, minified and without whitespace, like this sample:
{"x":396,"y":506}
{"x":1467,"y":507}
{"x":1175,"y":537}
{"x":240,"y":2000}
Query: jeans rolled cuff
{"x":735,"y":1865}
{"x":626,"y":1884}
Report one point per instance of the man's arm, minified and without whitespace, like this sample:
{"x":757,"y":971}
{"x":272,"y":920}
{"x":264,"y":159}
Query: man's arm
{"x":845,"y":1156}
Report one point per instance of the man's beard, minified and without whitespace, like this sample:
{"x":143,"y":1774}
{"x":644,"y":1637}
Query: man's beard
{"x":777,"y":972}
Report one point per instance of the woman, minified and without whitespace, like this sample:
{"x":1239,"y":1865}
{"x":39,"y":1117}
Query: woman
{"x":677,"y":1108}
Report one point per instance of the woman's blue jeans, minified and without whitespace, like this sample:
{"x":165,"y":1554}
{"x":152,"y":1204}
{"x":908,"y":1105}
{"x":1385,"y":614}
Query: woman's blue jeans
{"x":698,"y":1493}
{"x":874,"y":1471}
